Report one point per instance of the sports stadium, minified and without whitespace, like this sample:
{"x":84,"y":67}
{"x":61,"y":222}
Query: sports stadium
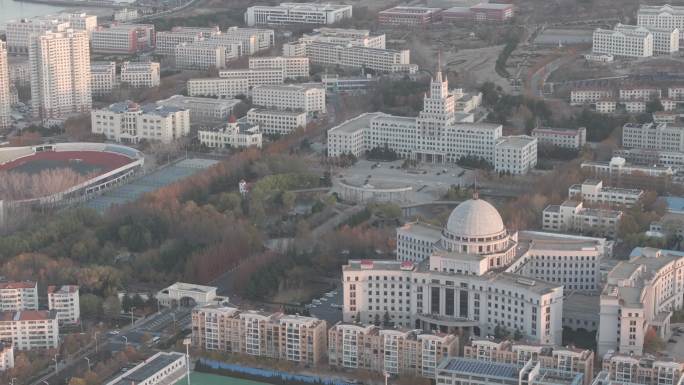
{"x":106,"y":165}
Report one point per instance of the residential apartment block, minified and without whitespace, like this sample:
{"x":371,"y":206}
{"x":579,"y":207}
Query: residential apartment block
{"x":222,"y":88}
{"x":18,"y":296}
{"x":274,"y":335}
{"x":468,"y":371}
{"x":234,"y":134}
{"x":565,"y":359}
{"x":140,"y":74}
{"x":573,"y":139}
{"x":582,"y":96}
{"x":64,"y":300}
{"x":30,"y":329}
{"x":641,"y":293}
{"x":129,"y":122}
{"x":102,"y":77}
{"x":647,"y":370}
{"x":19,"y":32}
{"x":593,"y":192}
{"x":675,"y":93}
{"x":60,"y":74}
{"x":665,"y":16}
{"x":202,"y":110}
{"x":403,"y":15}
{"x":277,"y":121}
{"x":623,"y":40}
{"x":124,"y":39}
{"x":571,"y":216}
{"x":293,"y":67}
{"x":297,"y":13}
{"x":307,"y":97}
{"x":5,"y":101}
{"x":394,"y":351}
{"x":515,"y":154}
{"x":6,"y":355}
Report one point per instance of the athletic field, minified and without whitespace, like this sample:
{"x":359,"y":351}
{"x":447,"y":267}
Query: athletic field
{"x":197,"y":378}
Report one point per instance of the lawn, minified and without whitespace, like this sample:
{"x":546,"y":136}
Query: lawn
{"x":197,"y":378}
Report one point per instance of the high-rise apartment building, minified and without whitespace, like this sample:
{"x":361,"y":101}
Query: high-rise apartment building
{"x":60,"y":74}
{"x":18,"y":296}
{"x":5,"y":102}
{"x":64,"y":300}
{"x":275,"y":335}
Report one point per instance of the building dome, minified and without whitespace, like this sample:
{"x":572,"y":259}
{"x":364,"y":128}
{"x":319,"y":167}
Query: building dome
{"x":475,"y":218}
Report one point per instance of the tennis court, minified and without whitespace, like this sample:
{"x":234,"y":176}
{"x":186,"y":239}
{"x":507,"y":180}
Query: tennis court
{"x":197,"y":378}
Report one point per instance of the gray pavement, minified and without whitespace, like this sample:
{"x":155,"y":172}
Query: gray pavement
{"x":329,"y":308}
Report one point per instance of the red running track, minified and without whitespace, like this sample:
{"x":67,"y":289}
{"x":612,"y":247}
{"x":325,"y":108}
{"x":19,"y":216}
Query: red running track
{"x":106,"y":161}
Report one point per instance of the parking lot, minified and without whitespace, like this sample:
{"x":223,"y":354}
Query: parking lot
{"x":328,"y":307}
{"x":675,"y":345}
{"x":429,"y":182}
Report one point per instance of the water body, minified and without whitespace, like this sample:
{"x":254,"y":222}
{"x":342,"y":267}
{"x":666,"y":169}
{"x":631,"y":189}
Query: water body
{"x":10,"y":9}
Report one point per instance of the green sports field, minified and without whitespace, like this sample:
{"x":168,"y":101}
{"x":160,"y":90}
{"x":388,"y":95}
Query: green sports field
{"x":212,"y":379}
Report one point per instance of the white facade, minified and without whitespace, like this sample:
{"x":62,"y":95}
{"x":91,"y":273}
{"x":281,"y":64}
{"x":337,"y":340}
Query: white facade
{"x":202,"y":55}
{"x":346,"y":37}
{"x":160,"y":369}
{"x":675,"y":93}
{"x":515,"y":154}
{"x":202,"y":110}
{"x":661,"y":137}
{"x":623,"y":40}
{"x":125,"y":14}
{"x":19,"y":32}
{"x":277,"y":121}
{"x":181,"y":291}
{"x":592,"y":191}
{"x":618,"y":166}
{"x":130,"y":123}
{"x":125,"y":39}
{"x":470,"y":371}
{"x":30,"y":329}
{"x":234,"y":134}
{"x":293,"y":67}
{"x":64,"y":300}
{"x":102,"y":77}
{"x":255,"y":77}
{"x":297,"y":13}
{"x":383,"y":60}
{"x":460,"y":285}
{"x":309,"y":98}
{"x":640,"y":93}
{"x":6,"y":356}
{"x":565,"y":138}
{"x":665,"y":16}
{"x":18,"y":296}
{"x":606,"y":106}
{"x":579,"y":97}
{"x":665,"y":40}
{"x":140,"y":74}
{"x":60,"y":74}
{"x":640,"y":293}
{"x":222,"y":88}
{"x":5,"y":100}
{"x":574,"y":217}
{"x":168,"y":40}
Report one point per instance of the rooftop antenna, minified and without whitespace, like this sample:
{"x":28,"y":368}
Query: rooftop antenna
{"x":476,"y":193}
{"x":438,"y":74}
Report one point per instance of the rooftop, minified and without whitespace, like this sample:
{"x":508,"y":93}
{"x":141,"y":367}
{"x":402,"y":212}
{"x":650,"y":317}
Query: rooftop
{"x":182,"y":100}
{"x":360,"y":122}
{"x":479,"y":368}
{"x":515,"y":141}
{"x":492,"y":6}
{"x":28,"y":315}
{"x":18,"y":285}
{"x":557,"y":131}
{"x":143,"y":372}
{"x":410,"y":10}
{"x":422,"y":229}
{"x":261,"y":110}
{"x":191,"y":287}
{"x":64,"y":289}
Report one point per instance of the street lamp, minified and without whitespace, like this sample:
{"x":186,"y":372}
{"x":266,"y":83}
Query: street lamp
{"x":96,"y":333}
{"x":56,"y":364}
{"x":186,"y":342}
{"x":88,"y":359}
{"x":125,"y":340}
{"x":132,"y":319}
{"x":386,"y":375}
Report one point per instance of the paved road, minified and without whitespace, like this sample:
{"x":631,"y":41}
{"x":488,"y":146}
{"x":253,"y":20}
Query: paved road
{"x":326,"y":310}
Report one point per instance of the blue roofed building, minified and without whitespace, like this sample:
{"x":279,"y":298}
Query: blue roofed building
{"x":470,"y":371}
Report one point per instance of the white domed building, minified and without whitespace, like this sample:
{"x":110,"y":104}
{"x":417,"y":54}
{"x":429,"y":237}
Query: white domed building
{"x":473,"y":276}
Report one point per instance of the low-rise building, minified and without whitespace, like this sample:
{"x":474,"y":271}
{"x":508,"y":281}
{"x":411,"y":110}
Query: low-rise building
{"x":64,"y":300}
{"x":129,"y":122}
{"x":566,"y":359}
{"x":634,"y":106}
{"x":483,"y":12}
{"x":293,"y":67}
{"x":126,"y":39}
{"x":30,"y":329}
{"x":234,"y":134}
{"x":606,"y":106}
{"x":125,"y":15}
{"x":618,"y":167}
{"x":161,"y":368}
{"x":571,"y":216}
{"x":377,"y":59}
{"x":394,"y":351}
{"x":21,"y":295}
{"x":404,"y":15}
{"x":6,"y":355}
{"x":593,"y":192}
{"x":277,"y":121}
{"x":102,"y":77}
{"x":640,"y":294}
{"x":675,"y":92}
{"x":515,"y":154}
{"x":187,"y":294}
{"x":570,"y":138}
{"x":582,"y":96}
{"x":256,"y":77}
{"x":307,"y":97}
{"x":201,"y":55}
{"x":631,"y":369}
{"x":623,"y":40}
{"x":221,"y":88}
{"x":336,"y":83}
{"x":645,"y":157}
{"x":168,"y":40}
{"x":297,"y":13}
{"x":469,"y":371}
{"x":273,"y":335}
{"x":140,"y":74}
{"x":202,"y":110}
{"x":652,"y":136}
{"x":640,"y":93}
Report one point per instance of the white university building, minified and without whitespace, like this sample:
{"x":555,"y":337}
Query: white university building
{"x":140,"y":74}
{"x":307,"y":97}
{"x":623,"y":40}
{"x":440,"y":134}
{"x":202,"y":110}
{"x":277,"y":121}
{"x":293,"y":67}
{"x":234,"y":134}
{"x":665,"y":16}
{"x":102,"y":77}
{"x":297,"y":13}
{"x":128,"y":122}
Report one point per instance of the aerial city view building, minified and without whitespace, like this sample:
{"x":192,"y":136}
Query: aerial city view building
{"x":445,"y":192}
